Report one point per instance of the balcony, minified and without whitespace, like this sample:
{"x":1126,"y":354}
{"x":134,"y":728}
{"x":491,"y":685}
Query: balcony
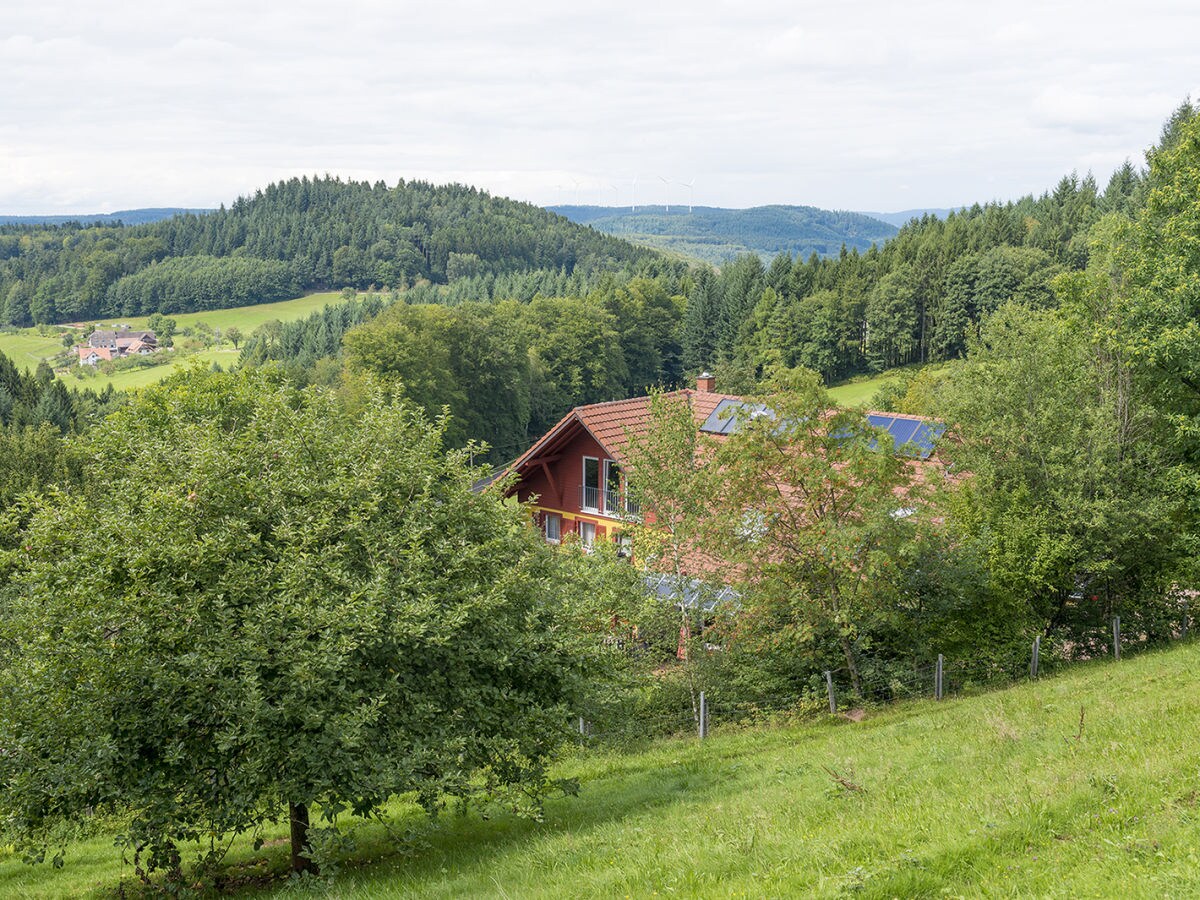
{"x":607,"y":503}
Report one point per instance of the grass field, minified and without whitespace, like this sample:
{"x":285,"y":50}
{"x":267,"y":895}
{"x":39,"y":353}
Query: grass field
{"x":27,"y":348}
{"x":859,"y":392}
{"x":136,"y":378}
{"x":246,"y":318}
{"x":1002,"y":794}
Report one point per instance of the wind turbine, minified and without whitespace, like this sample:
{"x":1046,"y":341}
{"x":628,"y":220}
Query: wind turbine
{"x":616,"y":195}
{"x":667,"y":191}
{"x":575,"y":181}
{"x":633,"y":196}
{"x":689,"y":185}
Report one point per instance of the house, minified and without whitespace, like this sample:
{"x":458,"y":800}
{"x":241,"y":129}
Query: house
{"x":116,"y":344}
{"x":574,"y":476}
{"x":574,"y":479}
{"x":89,"y":356}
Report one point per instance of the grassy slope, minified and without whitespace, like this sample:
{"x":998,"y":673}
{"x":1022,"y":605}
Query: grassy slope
{"x":247,"y":318}
{"x":27,"y":348}
{"x":990,"y":795}
{"x":859,"y":391}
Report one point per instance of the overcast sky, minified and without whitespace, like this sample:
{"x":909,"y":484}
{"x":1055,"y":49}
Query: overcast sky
{"x":871,"y":105}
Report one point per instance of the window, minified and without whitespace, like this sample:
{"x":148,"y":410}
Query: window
{"x":624,"y":544}
{"x":587,"y":535}
{"x":612,"y":488}
{"x":591,"y":484}
{"x":553,"y":527}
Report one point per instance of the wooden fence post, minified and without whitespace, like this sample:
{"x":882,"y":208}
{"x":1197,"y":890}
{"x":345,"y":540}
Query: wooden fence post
{"x":937,"y":678}
{"x":829,"y":687}
{"x":703,"y":716}
{"x":1033,"y":662}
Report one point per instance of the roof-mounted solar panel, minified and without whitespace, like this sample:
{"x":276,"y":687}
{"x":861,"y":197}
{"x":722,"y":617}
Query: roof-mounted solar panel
{"x":729,"y":414}
{"x":902,"y":431}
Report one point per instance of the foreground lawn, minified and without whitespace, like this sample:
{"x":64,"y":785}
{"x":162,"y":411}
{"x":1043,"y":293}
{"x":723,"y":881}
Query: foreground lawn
{"x":997,"y":795}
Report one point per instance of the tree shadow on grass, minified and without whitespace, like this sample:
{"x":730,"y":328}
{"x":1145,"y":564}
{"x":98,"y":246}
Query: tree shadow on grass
{"x":458,"y":846}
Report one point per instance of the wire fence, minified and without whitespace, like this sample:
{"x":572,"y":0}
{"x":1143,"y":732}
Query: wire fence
{"x":699,"y":710}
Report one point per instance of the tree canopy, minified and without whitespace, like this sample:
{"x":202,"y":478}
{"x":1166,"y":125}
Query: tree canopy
{"x":262,"y":596}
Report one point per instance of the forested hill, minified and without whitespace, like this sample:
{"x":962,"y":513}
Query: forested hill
{"x":290,"y":237}
{"x":717,"y":235}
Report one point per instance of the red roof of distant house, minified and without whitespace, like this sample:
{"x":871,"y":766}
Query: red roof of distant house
{"x":612,"y":423}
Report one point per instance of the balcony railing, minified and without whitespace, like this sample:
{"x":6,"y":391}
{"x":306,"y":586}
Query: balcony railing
{"x":608,"y":503}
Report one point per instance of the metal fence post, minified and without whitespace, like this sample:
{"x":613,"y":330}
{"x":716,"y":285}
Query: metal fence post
{"x":937,"y":678}
{"x":1116,"y":637}
{"x":582,"y":727}
{"x":829,"y":687}
{"x":703,"y":716}
{"x":1033,"y":662}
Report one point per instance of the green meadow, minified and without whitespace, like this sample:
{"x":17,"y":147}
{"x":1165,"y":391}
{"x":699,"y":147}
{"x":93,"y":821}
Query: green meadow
{"x":1084,"y":785}
{"x":859,"y":391}
{"x":27,"y":347}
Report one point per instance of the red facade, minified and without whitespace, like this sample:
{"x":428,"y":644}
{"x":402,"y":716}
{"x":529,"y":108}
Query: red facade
{"x":573,"y":475}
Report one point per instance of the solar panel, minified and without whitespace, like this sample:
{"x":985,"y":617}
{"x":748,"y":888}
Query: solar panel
{"x":911,"y":437}
{"x":729,"y":414}
{"x":902,"y":431}
{"x":925,"y":436}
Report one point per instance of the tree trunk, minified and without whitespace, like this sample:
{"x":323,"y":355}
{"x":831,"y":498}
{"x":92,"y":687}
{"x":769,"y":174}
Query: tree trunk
{"x":298,"y":816}
{"x":848,"y":652}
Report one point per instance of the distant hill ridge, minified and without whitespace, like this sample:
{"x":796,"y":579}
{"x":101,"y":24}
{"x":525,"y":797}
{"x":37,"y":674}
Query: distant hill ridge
{"x":716,"y":234}
{"x":126,"y":216}
{"x":904,"y":216}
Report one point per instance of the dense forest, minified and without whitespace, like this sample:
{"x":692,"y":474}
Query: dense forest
{"x":915,"y":299}
{"x":506,"y":370}
{"x":296,"y":235}
{"x":37,"y":416}
{"x":717,"y":235}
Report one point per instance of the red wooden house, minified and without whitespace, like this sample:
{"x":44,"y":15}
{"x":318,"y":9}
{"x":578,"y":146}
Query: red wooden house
{"x":574,"y":480}
{"x":573,"y":475}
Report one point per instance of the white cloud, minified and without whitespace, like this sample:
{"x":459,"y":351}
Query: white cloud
{"x":874,"y":105}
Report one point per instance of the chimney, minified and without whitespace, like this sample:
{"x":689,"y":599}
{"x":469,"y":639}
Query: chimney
{"x":706,"y":383}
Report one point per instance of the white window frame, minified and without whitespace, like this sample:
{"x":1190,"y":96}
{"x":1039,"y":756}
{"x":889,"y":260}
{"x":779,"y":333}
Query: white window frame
{"x":586,"y":540}
{"x":556,"y":520}
{"x":599,"y":485}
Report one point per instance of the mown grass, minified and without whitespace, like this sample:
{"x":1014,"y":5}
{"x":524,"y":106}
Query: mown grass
{"x":995,"y":795}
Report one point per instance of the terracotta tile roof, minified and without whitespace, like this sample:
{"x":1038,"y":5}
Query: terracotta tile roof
{"x":612,"y":423}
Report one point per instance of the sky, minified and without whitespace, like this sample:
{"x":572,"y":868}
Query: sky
{"x":874,"y":105}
